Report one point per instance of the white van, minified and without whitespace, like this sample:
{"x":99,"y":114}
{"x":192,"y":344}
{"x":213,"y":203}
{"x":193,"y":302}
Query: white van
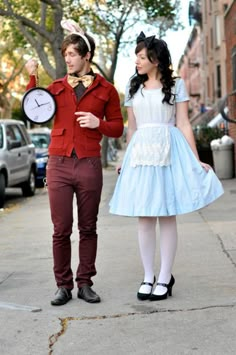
{"x":17,"y":158}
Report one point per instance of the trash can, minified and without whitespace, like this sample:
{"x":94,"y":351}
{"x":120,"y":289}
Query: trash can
{"x":223,"y":157}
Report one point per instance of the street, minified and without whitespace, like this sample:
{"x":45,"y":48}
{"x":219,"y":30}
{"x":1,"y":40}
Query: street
{"x":14,"y":197}
{"x":200,"y":317}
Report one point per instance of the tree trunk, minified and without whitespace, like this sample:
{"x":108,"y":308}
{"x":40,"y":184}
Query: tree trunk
{"x":5,"y":107}
{"x":104,"y":151}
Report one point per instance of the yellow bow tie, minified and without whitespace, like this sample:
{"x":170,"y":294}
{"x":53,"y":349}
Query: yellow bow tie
{"x":85,"y":79}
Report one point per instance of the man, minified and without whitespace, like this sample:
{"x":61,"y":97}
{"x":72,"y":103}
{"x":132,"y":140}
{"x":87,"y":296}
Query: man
{"x":74,"y":165}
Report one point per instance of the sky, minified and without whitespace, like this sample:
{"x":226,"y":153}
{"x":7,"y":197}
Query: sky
{"x":176,"y":41}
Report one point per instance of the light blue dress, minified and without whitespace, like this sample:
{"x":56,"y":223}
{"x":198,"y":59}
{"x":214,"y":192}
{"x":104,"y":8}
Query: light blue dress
{"x":160,"y":175}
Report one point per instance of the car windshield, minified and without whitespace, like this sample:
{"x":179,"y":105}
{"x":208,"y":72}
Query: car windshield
{"x":40,"y":140}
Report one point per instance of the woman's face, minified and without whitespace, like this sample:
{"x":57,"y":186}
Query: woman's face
{"x":143,"y":64}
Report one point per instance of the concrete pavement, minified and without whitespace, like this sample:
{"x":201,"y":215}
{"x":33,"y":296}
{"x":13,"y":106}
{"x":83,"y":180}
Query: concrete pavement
{"x":200,"y":318}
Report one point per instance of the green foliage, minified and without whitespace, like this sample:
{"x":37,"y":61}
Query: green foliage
{"x":159,"y":8}
{"x":11,"y":34}
{"x":35,"y":26}
{"x":112,"y":15}
{"x":113,"y":24}
{"x":17,"y":114}
{"x":32,"y":28}
{"x":204,"y":135}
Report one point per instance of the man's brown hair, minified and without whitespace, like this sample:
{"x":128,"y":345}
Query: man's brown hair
{"x":79,"y":45}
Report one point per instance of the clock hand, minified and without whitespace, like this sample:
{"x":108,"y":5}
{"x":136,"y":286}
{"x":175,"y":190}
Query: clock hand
{"x":46,"y":103}
{"x":39,"y":105}
{"x":36,"y":102}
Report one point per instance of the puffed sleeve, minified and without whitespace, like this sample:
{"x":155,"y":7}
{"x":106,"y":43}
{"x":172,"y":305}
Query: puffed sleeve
{"x":181,"y":91}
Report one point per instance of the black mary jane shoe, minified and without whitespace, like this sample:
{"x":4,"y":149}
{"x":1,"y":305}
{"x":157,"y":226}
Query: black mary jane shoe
{"x":87,"y":294}
{"x":63,"y":295}
{"x":145,"y":296}
{"x":169,"y":286}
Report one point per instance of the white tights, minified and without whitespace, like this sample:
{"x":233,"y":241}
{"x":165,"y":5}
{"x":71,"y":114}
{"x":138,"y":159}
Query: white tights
{"x":147,"y":246}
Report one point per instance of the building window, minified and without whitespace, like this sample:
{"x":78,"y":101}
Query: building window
{"x":213,"y":87}
{"x":218,"y":81}
{"x":207,"y":47}
{"x":234,"y":68}
{"x":217,"y":31}
{"x":225,"y":7}
{"x":208,"y":87}
{"x":211,"y":38}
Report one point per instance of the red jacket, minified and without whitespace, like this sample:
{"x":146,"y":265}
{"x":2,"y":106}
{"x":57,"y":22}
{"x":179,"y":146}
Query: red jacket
{"x":101,"y":99}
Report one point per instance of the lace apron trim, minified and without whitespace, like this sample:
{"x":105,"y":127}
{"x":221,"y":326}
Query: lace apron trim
{"x":151,"y":146}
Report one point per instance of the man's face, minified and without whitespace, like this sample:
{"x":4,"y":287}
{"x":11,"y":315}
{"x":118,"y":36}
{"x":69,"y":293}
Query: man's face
{"x":75,"y":63}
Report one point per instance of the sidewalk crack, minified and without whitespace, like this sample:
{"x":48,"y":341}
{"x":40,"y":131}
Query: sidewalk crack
{"x":65,"y":321}
{"x":7,"y":277}
{"x":225,"y":251}
{"x":220,"y":240}
{"x":54,"y":337}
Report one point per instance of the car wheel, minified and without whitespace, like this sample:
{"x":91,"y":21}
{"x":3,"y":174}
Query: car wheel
{"x":40,"y":183}
{"x":2,"y":190}
{"x":28,"y":187}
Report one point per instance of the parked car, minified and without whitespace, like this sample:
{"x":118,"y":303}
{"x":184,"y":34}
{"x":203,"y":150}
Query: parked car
{"x":17,"y":159}
{"x":40,"y":137}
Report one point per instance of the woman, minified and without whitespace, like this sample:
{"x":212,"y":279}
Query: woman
{"x":161,"y":175}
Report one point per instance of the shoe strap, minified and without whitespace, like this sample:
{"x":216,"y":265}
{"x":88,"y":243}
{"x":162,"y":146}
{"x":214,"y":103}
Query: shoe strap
{"x":162,"y":284}
{"x":147,"y":283}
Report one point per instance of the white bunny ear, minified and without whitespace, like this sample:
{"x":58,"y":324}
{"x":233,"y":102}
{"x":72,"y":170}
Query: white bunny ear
{"x":76,"y":27}
{"x":73,"y":28}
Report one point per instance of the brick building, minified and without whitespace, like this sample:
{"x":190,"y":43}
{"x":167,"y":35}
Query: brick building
{"x":214,"y":51}
{"x":208,"y":65}
{"x":203,"y":64}
{"x":189,"y":69}
{"x":230,"y":36}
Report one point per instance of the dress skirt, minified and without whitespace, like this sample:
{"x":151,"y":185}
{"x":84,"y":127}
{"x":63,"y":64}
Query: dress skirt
{"x":179,"y":187}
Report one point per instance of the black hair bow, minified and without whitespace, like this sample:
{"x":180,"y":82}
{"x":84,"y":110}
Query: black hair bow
{"x":149,"y":41}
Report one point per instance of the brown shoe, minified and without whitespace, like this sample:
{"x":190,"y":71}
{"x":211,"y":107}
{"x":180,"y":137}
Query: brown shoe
{"x":86,"y":293}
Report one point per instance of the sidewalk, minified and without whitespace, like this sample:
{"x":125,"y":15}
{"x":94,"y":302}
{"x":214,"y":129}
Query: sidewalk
{"x":200,"y":318}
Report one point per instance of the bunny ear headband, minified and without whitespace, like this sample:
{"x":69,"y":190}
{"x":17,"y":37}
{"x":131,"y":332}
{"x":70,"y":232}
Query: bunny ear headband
{"x":73,"y":28}
{"x":149,"y":41}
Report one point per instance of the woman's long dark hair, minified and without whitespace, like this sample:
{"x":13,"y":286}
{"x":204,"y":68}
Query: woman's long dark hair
{"x":158,"y":52}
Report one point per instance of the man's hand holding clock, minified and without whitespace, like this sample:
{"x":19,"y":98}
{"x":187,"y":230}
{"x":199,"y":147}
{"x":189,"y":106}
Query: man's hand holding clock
{"x":38,"y":104}
{"x":32,"y":66}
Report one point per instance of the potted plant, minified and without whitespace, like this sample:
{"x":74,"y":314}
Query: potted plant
{"x":203,"y":137}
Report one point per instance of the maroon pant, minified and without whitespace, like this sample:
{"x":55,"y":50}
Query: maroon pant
{"x":82,"y":177}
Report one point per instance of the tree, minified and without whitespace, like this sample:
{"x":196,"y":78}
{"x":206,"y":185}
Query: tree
{"x":38,"y":23}
{"x":11,"y":66}
{"x":116,"y":21}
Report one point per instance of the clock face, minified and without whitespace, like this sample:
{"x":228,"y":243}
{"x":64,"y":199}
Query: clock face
{"x":38,"y":105}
